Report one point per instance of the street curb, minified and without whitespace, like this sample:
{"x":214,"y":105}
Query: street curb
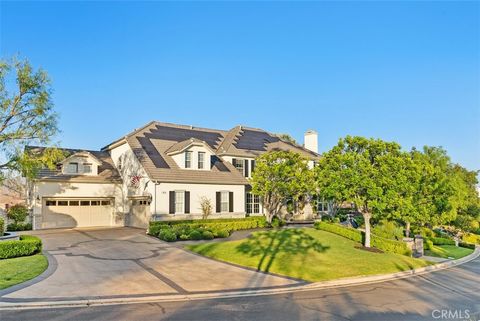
{"x":346,"y":282}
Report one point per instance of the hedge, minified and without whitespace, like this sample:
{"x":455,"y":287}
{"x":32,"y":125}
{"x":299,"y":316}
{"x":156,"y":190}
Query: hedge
{"x":442,"y":241}
{"x":383,"y":244}
{"x":467,"y":245}
{"x":27,"y":245}
{"x":19,"y":227}
{"x":202,"y":229}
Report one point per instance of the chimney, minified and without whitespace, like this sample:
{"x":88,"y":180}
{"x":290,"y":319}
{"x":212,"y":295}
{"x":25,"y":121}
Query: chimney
{"x":311,"y":140}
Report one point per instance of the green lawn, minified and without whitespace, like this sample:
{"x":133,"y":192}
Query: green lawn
{"x":21,"y":269}
{"x":307,"y":254}
{"x":447,"y":251}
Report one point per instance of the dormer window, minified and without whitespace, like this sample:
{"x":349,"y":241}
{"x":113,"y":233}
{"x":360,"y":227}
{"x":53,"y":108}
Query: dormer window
{"x":188,"y":159}
{"x":73,"y":168}
{"x":87,"y":168}
{"x":201,"y":160}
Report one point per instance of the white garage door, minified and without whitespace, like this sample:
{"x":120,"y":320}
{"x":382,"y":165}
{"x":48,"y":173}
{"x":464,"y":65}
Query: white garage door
{"x":77,"y":212}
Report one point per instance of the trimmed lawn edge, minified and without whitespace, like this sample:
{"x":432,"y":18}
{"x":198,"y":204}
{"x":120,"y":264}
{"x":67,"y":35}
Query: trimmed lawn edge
{"x":30,"y":267}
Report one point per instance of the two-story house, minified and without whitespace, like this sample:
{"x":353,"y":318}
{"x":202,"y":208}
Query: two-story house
{"x":160,"y":171}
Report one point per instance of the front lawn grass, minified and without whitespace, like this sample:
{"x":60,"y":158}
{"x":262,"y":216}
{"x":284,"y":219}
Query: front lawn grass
{"x":447,"y":251}
{"x":306,"y":253}
{"x":21,"y":269}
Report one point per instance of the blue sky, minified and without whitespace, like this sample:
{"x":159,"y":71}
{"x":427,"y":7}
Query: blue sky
{"x":403,"y":71}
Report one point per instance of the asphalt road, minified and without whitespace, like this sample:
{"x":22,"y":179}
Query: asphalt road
{"x":452,"y":294}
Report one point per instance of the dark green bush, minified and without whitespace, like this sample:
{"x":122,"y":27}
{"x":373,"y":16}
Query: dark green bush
{"x":276,"y":222}
{"x":386,"y":245}
{"x":27,"y":245}
{"x":207,"y":235}
{"x":18,"y":213}
{"x":196,"y":235}
{"x":442,"y":241}
{"x":19,"y":227}
{"x":467,"y":245}
{"x":167,"y":235}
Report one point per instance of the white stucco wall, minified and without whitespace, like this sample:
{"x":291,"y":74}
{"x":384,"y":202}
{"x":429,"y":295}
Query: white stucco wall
{"x":161,"y":206}
{"x":77,"y":190}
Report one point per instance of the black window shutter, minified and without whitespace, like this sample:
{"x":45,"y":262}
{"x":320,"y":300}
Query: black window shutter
{"x":245,"y":162}
{"x":253,"y":166}
{"x":187,"y":202}
{"x":218,"y":199}
{"x":172,"y":202}
{"x":234,"y":162}
{"x":230,"y":202}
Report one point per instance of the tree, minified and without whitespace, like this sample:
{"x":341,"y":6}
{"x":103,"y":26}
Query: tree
{"x":287,"y":138}
{"x":206,"y":206}
{"x":278,"y":176}
{"x":26,"y":117}
{"x":361,"y":171}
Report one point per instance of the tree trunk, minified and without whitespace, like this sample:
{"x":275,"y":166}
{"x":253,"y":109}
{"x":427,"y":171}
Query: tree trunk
{"x":407,"y":229}
{"x":366,"y":217}
{"x":268,"y":216}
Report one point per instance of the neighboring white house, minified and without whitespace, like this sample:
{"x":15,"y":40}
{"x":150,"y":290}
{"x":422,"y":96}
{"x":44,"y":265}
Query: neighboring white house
{"x":160,"y":171}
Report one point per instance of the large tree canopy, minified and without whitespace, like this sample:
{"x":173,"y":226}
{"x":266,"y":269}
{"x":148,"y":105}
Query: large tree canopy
{"x":278,"y":176}
{"x":26,"y":117}
{"x":364,"y":172}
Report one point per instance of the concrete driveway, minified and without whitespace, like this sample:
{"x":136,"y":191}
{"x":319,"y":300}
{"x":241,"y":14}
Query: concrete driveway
{"x":124,"y":262}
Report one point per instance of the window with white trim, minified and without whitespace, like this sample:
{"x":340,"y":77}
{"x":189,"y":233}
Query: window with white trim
{"x":73,"y":168}
{"x":179,"y":202}
{"x":87,"y":168}
{"x":201,"y":160}
{"x":224,"y":201}
{"x":239,"y":165}
{"x":253,"y":204}
{"x":322,"y":205}
{"x":188,"y":159}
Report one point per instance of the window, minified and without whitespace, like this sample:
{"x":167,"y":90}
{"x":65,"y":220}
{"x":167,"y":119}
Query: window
{"x":201,"y":160}
{"x":322,"y":205}
{"x":73,"y":203}
{"x":73,"y":168}
{"x":87,"y":168}
{"x":239,"y":165}
{"x":62,"y":203}
{"x":95,"y":203}
{"x":51,"y":203}
{"x":224,"y":201}
{"x":188,"y":159}
{"x":105,"y":203}
{"x":253,"y":203}
{"x":119,"y":163}
{"x":85,"y":203}
{"x":179,"y":201}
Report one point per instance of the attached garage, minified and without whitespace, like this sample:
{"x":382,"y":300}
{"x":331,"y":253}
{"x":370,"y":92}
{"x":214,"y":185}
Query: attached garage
{"x":77,"y":212}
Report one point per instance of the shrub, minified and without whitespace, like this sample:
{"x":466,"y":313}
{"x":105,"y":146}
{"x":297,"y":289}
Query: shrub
{"x":167,"y":235}
{"x":388,"y":230}
{"x":207,"y":235}
{"x":471,"y":238}
{"x":221,"y":233}
{"x":196,"y":235}
{"x":184,"y":237}
{"x":206,"y":206}
{"x":27,"y":245}
{"x":392,"y":246}
{"x":428,"y":244}
{"x":18,"y":213}
{"x":467,"y":245}
{"x":19,"y":227}
{"x":276,"y":222}
{"x":2,"y":226}
{"x":442,"y":241}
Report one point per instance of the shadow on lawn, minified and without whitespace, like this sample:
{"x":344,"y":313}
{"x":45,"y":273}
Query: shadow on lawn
{"x":269,"y":244}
